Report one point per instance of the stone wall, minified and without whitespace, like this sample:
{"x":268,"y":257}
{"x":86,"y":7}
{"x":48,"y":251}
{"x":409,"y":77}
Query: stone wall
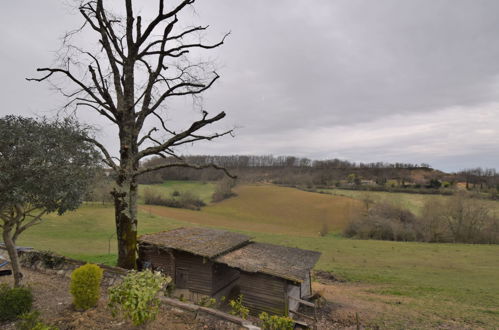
{"x":50,"y":263}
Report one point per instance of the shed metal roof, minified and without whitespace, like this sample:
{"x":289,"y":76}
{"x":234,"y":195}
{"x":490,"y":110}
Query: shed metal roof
{"x":286,"y":262}
{"x":199,"y":241}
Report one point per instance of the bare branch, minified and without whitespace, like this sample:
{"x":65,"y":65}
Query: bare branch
{"x":184,"y":164}
{"x":197,"y":125}
{"x":160,"y":18}
{"x":108,"y":159}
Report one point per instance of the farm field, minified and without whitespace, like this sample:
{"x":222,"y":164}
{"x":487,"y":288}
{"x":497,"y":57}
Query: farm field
{"x":390,"y":284}
{"x":268,"y":208}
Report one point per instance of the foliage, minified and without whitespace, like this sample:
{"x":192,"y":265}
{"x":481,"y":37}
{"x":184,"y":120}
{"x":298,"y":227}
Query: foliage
{"x":136,"y":296}
{"x":275,"y":322}
{"x":44,"y":167}
{"x":31,"y":321}
{"x":14,"y":302}
{"x":207,"y":302}
{"x":184,"y":200}
{"x":85,"y":286}
{"x":237,"y":307}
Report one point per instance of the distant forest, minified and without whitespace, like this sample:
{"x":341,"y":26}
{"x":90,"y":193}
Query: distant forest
{"x":304,"y":172}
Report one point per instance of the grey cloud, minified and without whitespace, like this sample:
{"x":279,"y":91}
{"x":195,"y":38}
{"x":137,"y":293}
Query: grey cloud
{"x":292,"y":68}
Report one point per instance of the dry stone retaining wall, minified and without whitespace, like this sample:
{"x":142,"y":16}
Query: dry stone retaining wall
{"x":54,"y":264}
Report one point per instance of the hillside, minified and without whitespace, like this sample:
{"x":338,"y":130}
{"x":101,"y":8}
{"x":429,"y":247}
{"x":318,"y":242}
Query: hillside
{"x":390,"y":284}
{"x":273,"y":209}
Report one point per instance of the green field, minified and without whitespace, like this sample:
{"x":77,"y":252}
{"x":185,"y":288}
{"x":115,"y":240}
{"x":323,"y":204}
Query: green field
{"x":409,"y":285}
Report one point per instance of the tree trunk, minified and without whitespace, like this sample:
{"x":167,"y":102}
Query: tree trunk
{"x":125,"y":203}
{"x":14,"y":258}
{"x":125,"y":198}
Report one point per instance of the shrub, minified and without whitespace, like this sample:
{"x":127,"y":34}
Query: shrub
{"x":237,"y":307}
{"x":85,"y":286}
{"x":184,"y":200}
{"x":207,"y":302}
{"x":385,"y":222}
{"x":14,"y":302}
{"x":31,"y":321}
{"x":275,"y":322}
{"x":136,"y":296}
{"x":224,"y":190}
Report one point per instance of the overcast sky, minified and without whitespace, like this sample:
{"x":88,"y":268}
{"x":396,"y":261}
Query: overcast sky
{"x":386,"y":80}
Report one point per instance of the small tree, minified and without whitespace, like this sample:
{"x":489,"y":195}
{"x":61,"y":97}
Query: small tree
{"x":44,"y":167}
{"x":136,"y":296}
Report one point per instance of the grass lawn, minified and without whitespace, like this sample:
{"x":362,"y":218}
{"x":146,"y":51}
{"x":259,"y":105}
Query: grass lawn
{"x":417,"y":285}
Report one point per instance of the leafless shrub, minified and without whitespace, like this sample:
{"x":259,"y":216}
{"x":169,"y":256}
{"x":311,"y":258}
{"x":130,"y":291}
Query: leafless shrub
{"x":184,"y":200}
{"x":224,"y":190}
{"x":460,"y":219}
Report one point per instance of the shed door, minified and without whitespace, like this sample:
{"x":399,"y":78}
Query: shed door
{"x":181,"y":277}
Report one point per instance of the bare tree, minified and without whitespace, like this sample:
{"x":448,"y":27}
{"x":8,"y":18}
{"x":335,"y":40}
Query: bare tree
{"x":140,"y":65}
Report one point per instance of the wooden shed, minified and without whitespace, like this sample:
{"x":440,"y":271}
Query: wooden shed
{"x":273,"y":278}
{"x":187,"y":256}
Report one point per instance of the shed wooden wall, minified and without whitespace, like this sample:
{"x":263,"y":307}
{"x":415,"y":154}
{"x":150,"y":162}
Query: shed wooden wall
{"x":263,"y":293}
{"x":199,"y":269}
{"x":160,"y":259}
{"x":202,"y":275}
{"x":223,"y":275}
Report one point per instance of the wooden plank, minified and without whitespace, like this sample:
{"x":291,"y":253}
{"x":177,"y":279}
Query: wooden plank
{"x":304,"y":302}
{"x":303,"y":315}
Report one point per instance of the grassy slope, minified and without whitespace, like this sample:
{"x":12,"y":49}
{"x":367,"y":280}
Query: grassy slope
{"x":266,"y":208}
{"x":432,"y":284}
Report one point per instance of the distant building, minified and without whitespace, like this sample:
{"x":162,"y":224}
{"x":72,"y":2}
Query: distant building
{"x":215,"y":263}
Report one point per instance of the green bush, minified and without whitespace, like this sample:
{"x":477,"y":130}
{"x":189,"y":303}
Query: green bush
{"x":85,"y":286}
{"x":237,"y":307}
{"x":31,"y":321}
{"x":275,"y":322}
{"x":136,"y":296}
{"x":14,"y":302}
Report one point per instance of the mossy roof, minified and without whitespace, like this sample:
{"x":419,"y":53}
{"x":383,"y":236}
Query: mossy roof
{"x":286,"y":262}
{"x":199,"y":241}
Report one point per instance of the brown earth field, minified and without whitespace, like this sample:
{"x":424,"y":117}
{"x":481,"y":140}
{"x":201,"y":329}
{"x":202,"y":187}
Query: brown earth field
{"x":270,"y":209}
